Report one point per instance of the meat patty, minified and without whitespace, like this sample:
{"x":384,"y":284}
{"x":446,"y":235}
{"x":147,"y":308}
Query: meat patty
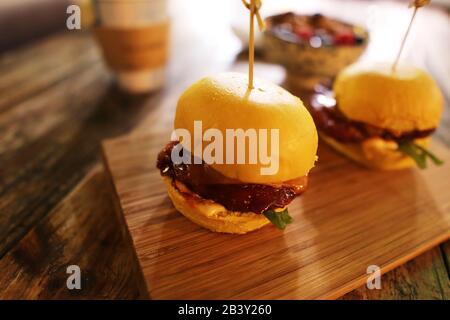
{"x":234,"y":195}
{"x":332,"y":122}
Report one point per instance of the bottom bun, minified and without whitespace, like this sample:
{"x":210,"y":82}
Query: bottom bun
{"x":375,"y":153}
{"x":211,"y":215}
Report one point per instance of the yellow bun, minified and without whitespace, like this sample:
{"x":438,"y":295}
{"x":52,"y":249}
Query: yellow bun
{"x":407,"y":100}
{"x":212,"y":215}
{"x":223,"y":102}
{"x":375,"y":153}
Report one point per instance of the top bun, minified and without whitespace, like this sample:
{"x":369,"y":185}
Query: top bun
{"x":406,"y":100}
{"x":224,"y":102}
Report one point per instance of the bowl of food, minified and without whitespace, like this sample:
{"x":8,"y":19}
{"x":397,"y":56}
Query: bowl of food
{"x":312,"y":47}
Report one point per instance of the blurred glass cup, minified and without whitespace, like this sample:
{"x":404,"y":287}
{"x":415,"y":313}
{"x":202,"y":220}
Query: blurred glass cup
{"x":134,"y":37}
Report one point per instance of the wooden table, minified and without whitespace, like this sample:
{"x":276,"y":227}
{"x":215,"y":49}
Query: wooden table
{"x":57,"y":103}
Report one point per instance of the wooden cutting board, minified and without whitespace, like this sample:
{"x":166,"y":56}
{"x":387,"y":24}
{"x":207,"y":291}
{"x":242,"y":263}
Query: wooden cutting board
{"x":348,"y":219}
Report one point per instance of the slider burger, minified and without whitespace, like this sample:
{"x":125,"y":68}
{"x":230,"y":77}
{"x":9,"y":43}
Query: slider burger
{"x":219,"y":118}
{"x":380,"y":118}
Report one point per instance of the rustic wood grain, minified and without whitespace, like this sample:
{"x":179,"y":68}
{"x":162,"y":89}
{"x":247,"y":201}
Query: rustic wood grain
{"x":91,"y":205}
{"x":49,"y":141}
{"x":341,"y":228}
{"x":445,"y":251}
{"x":424,"y":278}
{"x":89,"y":237}
{"x":69,"y":56}
{"x":73,"y":56}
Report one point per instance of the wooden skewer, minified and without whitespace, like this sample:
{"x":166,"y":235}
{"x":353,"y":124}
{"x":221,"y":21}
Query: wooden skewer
{"x":251,"y":45}
{"x":254,"y":7}
{"x":416,"y":4}
{"x":394,"y":66}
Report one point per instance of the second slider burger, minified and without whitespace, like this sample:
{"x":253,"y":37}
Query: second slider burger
{"x":380,"y":118}
{"x":236,"y":197}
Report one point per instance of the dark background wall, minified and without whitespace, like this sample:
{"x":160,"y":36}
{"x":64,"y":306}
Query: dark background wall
{"x":22,"y":21}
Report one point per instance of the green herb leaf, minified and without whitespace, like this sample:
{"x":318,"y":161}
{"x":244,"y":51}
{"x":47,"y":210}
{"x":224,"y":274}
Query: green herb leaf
{"x":419,"y":154}
{"x":410,"y":149}
{"x":433,"y":158}
{"x":279,"y":219}
{"x":286,"y":217}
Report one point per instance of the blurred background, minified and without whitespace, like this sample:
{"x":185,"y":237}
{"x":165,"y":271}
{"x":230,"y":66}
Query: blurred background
{"x":26,"y":21}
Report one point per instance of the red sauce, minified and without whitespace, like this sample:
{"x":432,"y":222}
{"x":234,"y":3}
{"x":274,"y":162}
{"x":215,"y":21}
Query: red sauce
{"x":234,"y":195}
